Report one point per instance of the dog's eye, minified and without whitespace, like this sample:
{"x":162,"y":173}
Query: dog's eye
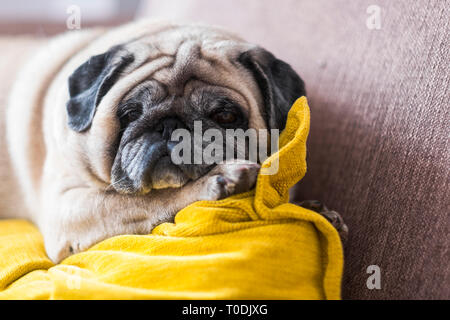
{"x":224,"y":117}
{"x":129,"y":113}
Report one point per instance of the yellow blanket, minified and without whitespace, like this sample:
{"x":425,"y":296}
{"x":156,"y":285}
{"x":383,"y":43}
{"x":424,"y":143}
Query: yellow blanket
{"x":250,"y":246}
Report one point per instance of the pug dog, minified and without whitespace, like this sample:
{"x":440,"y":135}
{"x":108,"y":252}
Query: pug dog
{"x":90,"y":120}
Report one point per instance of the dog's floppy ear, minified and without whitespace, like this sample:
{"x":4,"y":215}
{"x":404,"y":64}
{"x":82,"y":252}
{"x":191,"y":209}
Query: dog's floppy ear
{"x":90,"y":82}
{"x":279,"y":84}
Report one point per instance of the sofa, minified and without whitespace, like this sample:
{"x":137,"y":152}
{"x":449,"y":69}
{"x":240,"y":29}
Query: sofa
{"x":377,"y":76}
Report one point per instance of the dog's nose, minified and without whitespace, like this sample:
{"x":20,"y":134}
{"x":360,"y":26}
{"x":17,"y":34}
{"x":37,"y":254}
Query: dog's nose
{"x":167,"y":126}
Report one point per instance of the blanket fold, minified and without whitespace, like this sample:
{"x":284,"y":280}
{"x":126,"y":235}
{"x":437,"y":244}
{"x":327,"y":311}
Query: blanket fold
{"x":254,"y":245}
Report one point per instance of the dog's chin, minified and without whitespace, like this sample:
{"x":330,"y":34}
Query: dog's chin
{"x":163,"y":175}
{"x":167,"y":175}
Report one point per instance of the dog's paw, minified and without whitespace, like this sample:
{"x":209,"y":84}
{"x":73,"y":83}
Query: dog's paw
{"x":332,"y":216}
{"x":59,"y":248}
{"x":61,"y":244}
{"x":231,"y":177}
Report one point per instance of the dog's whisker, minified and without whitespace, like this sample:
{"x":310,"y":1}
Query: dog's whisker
{"x":111,"y":185}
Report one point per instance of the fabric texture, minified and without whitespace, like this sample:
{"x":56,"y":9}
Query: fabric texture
{"x":254,"y":245}
{"x":379,"y":148}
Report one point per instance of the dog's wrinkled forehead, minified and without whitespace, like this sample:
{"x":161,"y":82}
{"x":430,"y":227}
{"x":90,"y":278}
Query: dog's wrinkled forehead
{"x":188,"y":56}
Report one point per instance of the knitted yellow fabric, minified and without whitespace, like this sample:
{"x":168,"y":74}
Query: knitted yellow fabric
{"x":250,"y":246}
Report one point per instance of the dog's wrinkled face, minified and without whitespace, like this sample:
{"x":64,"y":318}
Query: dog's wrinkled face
{"x":211,"y":88}
{"x":149,"y":115}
